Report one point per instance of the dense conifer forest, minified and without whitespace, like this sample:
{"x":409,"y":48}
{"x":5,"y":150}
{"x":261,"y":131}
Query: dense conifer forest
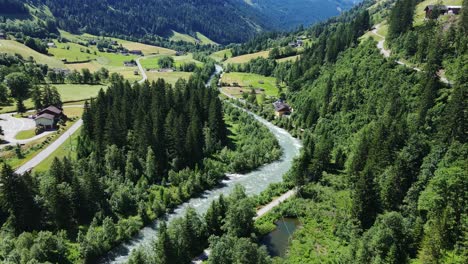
{"x":143,"y":150}
{"x":383,"y":173}
{"x":382,"y":176}
{"x":220,"y":20}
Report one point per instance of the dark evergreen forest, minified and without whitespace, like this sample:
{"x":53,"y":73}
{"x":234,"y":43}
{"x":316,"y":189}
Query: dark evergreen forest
{"x":219,"y":20}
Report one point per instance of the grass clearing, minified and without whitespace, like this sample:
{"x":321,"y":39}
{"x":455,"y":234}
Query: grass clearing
{"x":12,"y":107}
{"x":14,"y":47}
{"x":152,"y":62}
{"x":204,"y":40}
{"x":145,"y":48}
{"x":169,"y":77}
{"x":78,"y":92}
{"x":26,"y":134}
{"x":176,"y":36}
{"x":251,"y":80}
{"x":248,"y":57}
{"x":291,"y":58}
{"x":67,"y":149}
{"x":73,"y":111}
{"x":220,"y":55}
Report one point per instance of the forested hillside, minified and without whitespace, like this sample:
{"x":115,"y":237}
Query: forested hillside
{"x":219,"y":20}
{"x":142,"y":150}
{"x":383,"y":173}
{"x":383,"y":138}
{"x":288,"y":14}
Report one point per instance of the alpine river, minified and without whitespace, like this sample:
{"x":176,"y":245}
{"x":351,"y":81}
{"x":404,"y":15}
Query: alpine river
{"x":254,"y":182}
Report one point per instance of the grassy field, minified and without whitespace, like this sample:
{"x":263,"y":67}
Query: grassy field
{"x":152,"y":63}
{"x":252,"y":80}
{"x":176,"y":36}
{"x":130,"y":45}
{"x":12,"y":107}
{"x":77,"y":92}
{"x":67,"y":149}
{"x":73,"y":52}
{"x":73,"y":111}
{"x":248,"y":57}
{"x":13,"y":47}
{"x":420,"y":14}
{"x":169,"y":77}
{"x":68,"y":92}
{"x":26,"y":134}
{"x":205,"y":40}
{"x":219,"y":55}
{"x":292,"y":58}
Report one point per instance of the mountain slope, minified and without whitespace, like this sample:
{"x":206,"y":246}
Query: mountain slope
{"x":219,"y":20}
{"x":224,"y":21}
{"x":288,"y":14}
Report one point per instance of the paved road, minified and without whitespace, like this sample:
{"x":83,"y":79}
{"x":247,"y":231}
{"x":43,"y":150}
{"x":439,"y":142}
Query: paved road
{"x":141,"y":69}
{"x":386,"y":53}
{"x":67,"y":134}
{"x":50,"y":149}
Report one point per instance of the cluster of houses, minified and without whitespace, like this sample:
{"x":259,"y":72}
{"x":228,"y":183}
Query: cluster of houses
{"x":442,"y":9}
{"x":49,"y":117}
{"x":297,"y":43}
{"x":130,"y":63}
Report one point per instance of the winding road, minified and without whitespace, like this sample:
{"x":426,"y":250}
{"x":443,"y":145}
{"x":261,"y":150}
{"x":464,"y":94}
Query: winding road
{"x":387,"y":53}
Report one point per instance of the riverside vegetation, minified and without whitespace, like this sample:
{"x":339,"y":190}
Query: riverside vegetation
{"x":135,"y":162}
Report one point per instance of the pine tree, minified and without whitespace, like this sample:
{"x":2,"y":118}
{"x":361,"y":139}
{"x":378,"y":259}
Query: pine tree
{"x":150,"y":167}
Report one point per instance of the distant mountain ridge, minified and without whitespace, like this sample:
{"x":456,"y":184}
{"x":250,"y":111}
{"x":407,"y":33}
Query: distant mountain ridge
{"x":288,"y":14}
{"x":224,"y":21}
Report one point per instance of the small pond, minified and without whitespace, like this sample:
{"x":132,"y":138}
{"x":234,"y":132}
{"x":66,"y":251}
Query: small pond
{"x":277,"y":241}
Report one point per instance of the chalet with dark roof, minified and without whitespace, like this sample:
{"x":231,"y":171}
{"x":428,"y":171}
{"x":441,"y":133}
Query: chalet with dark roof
{"x":281,"y":108}
{"x":442,"y":10}
{"x":136,"y":52}
{"x":131,"y":63}
{"x":49,"y":117}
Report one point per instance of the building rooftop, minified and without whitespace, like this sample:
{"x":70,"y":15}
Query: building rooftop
{"x":52,"y":109}
{"x":281,"y":106}
{"x":46,"y":116}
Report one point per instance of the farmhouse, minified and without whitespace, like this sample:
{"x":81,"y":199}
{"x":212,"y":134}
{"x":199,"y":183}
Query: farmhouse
{"x":61,"y":71}
{"x":2,"y":35}
{"x":48,"y":117}
{"x":281,"y":108}
{"x":136,"y":52}
{"x":51,"y":45}
{"x":131,"y":63}
{"x":296,"y":44}
{"x":180,"y":53}
{"x":442,"y":10}
{"x":45,"y":120}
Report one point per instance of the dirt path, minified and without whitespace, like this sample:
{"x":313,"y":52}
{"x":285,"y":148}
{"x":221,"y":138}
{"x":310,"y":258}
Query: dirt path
{"x":387,"y":53}
{"x":267,"y":208}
